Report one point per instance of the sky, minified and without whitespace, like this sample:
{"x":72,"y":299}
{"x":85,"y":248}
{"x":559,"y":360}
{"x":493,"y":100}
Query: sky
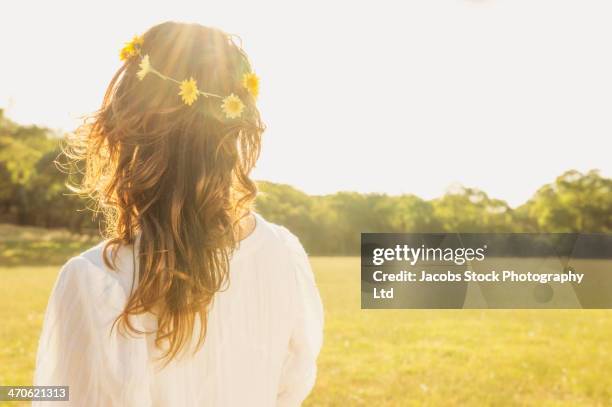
{"x":386,"y":96}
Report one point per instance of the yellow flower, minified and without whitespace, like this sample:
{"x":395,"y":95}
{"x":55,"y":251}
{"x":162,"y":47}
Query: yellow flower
{"x":189,"y":91}
{"x":145,"y":67}
{"x":251,"y":82}
{"x":131,"y":48}
{"x":232,"y":106}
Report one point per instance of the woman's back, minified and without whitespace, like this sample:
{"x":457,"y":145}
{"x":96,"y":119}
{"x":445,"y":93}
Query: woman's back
{"x":176,"y":307}
{"x":262,"y":338}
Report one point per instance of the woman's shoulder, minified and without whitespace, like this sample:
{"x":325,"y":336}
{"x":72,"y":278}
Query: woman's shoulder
{"x":90,"y":270}
{"x":276,"y":237}
{"x":279,"y":249}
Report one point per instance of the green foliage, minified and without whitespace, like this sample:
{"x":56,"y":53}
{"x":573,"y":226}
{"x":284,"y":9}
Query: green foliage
{"x":331,"y":224}
{"x":32,"y":189}
{"x":471,"y":210}
{"x":33,"y":192}
{"x":575,"y":202}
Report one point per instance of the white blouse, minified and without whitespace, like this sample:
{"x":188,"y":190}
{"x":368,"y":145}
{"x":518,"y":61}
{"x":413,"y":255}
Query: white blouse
{"x":263,"y":336}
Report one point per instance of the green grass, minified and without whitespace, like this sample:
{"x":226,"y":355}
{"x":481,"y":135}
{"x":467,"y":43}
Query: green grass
{"x":29,"y":246}
{"x":456,"y":357}
{"x":384,"y":357}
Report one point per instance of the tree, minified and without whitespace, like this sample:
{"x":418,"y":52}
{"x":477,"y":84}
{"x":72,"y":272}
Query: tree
{"x":575,"y":202}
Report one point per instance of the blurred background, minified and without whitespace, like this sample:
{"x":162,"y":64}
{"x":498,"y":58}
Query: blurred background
{"x":437,"y":116}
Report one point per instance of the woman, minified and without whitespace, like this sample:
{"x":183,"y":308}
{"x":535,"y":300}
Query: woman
{"x":194,"y":300}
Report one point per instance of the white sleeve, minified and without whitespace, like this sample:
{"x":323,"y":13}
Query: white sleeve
{"x":300,"y":368}
{"x":77,"y":347}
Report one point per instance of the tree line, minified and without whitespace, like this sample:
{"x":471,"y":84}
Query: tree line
{"x":33,"y":192}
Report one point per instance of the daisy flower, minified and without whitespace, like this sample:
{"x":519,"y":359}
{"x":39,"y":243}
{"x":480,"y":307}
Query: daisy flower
{"x":145,"y":67}
{"x":232,"y":106}
{"x":189,"y":91}
{"x":251,"y":82}
{"x":131,"y":48}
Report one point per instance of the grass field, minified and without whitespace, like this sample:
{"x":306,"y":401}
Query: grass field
{"x":370,"y":357}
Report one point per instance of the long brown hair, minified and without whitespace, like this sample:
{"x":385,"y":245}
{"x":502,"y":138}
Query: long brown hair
{"x":172,"y":177}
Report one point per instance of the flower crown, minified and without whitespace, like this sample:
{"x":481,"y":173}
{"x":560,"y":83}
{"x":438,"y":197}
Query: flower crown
{"x":189,"y":92}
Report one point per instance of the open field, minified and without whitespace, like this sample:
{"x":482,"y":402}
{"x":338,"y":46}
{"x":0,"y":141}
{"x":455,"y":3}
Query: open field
{"x":373,"y":357}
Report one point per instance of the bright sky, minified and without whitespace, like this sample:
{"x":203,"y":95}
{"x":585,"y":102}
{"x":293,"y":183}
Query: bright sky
{"x":396,"y":97}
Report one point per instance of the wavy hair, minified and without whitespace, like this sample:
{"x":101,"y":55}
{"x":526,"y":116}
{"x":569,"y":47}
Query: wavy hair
{"x":172,"y":179}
